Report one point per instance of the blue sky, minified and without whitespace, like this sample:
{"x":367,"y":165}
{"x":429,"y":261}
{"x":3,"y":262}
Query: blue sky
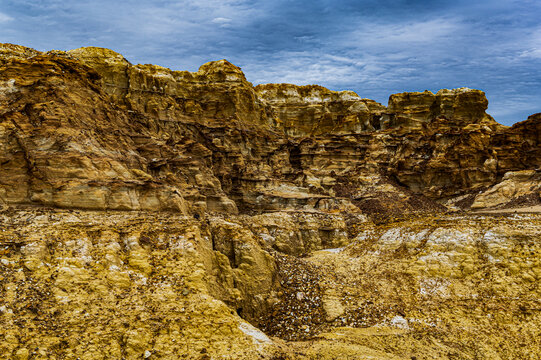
{"x":374,"y":47}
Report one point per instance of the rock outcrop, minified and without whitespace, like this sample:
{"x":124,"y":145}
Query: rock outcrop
{"x":211,"y":141}
{"x":92,"y":285}
{"x":151,"y":213}
{"x":314,"y":110}
{"x":219,"y":90}
{"x":65,"y":145}
{"x":518,"y":188}
{"x":460,"y":107}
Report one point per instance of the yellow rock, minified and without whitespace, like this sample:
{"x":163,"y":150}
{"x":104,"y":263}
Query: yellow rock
{"x":22,"y":354}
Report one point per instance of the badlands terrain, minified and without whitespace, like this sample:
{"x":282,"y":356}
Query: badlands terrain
{"x":147,"y":213}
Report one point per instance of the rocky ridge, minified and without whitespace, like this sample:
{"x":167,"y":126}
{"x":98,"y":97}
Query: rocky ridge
{"x":210,"y":140}
{"x":196,"y":207}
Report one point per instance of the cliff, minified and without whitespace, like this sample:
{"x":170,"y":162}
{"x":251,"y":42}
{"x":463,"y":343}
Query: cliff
{"x":87,"y":129}
{"x":152,"y":213}
{"x":210,"y":140}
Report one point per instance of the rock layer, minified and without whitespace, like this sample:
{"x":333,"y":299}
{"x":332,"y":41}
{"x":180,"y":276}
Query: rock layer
{"x":314,"y":110}
{"x":87,"y":129}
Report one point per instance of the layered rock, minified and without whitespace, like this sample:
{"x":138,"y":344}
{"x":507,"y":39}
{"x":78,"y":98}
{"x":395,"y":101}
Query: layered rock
{"x":314,"y":110}
{"x":209,"y":140}
{"x":12,"y":51}
{"x":93,"y":285}
{"x":219,"y":90}
{"x":519,"y":188}
{"x":325,"y":248}
{"x":460,"y":107}
{"x":66,"y":146}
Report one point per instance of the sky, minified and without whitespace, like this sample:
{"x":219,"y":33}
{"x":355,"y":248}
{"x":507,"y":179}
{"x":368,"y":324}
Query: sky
{"x":373,"y":47}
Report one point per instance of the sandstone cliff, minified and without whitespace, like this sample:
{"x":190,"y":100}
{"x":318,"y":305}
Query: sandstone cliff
{"x":87,"y":129}
{"x":151,"y":213}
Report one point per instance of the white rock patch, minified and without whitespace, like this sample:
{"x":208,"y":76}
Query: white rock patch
{"x":257,"y":335}
{"x":335,"y":250}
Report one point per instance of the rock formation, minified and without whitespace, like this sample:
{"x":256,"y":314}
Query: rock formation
{"x":151,"y":213}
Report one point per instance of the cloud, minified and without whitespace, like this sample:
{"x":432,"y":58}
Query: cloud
{"x":221,"y":20}
{"x":516,"y":107}
{"x":407,"y":33}
{"x":373,"y":59}
{"x":5,"y":18}
{"x":534,"y":53}
{"x":533,"y":45}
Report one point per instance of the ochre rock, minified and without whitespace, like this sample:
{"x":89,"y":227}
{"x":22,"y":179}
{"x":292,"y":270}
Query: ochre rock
{"x":314,"y":110}
{"x":522,"y":185}
{"x":12,"y":51}
{"x":210,"y":140}
{"x":151,"y":213}
{"x":219,"y":90}
{"x":460,"y":107}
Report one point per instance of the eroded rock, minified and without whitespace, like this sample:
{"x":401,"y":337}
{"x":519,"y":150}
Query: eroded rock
{"x":233,"y":221}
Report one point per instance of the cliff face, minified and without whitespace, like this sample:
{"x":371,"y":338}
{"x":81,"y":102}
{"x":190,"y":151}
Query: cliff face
{"x":67,"y":146}
{"x":314,"y":110}
{"x":218,"y":90}
{"x":460,"y":107}
{"x":146,"y":137}
{"x":223,"y":196}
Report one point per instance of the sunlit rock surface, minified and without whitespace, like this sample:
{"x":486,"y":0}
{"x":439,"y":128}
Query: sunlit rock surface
{"x":108,"y":286}
{"x":151,"y":213}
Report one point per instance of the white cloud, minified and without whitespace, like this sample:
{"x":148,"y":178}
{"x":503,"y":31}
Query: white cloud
{"x":384,"y":35}
{"x":373,"y":59}
{"x":533,"y":43}
{"x":221,"y":20}
{"x":313,"y":67}
{"x":508,"y":105}
{"x":533,"y":53}
{"x":5,"y":18}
